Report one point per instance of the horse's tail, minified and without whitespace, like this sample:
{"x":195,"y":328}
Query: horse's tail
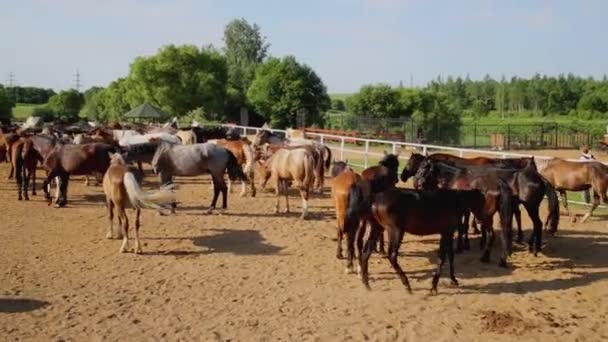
{"x":143,"y":199}
{"x":248,"y":153}
{"x":235,"y":171}
{"x":356,"y":206}
{"x":309,"y":173}
{"x":553,"y":206}
{"x":327,"y":157}
{"x":505,"y":207}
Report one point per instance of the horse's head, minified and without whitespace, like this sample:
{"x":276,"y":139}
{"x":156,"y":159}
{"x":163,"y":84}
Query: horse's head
{"x":338,"y":167}
{"x":116,"y":159}
{"x":261,"y":137}
{"x":426,"y":175}
{"x":412,"y":166}
{"x":162,"y":148}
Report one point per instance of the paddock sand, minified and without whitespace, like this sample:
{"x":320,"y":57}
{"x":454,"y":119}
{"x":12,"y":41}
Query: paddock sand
{"x":252,"y":275}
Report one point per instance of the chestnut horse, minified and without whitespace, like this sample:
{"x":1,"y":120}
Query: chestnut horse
{"x":578,"y":176}
{"x":343,"y":178}
{"x":122,"y":188}
{"x":24,"y":162}
{"x":243,"y":151}
{"x":6,"y":142}
{"x":422,"y":213}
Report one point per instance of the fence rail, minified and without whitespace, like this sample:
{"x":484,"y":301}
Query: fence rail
{"x":342,"y":148}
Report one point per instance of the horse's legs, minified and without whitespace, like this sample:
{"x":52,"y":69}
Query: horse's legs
{"x":34,"y":180}
{"x":216,"y":193}
{"x":277,"y":192}
{"x":243,"y":188}
{"x":487,"y":229}
{"x":125,"y":229}
{"x":339,"y":237}
{"x":394,"y":241}
{"x":564,"y":197}
{"x":140,"y":167}
{"x":229,"y":185}
{"x":62,"y":199}
{"x":367,"y":252}
{"x":137,"y":243}
{"x":450,"y":251}
{"x":304,"y":193}
{"x":535,"y":242}
{"x":359,"y":234}
{"x":380,"y":246}
{"x":517,"y":214}
{"x":594,"y":204}
{"x":110,"y":207}
{"x":286,"y":193}
{"x":26,"y":181}
{"x":445,"y":240}
{"x":461,"y":232}
{"x":252,"y":183}
{"x":86,"y":180}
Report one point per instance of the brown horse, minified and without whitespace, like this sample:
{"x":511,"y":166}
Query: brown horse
{"x":434,"y":174}
{"x":24,"y":162}
{"x":343,"y":178}
{"x":66,"y":160}
{"x":421,"y":213}
{"x":287,"y":166}
{"x":122,"y":189}
{"x":6,"y":142}
{"x":578,"y":176}
{"x":243,"y":151}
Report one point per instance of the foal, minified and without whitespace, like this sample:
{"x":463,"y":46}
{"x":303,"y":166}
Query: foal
{"x":122,"y":188}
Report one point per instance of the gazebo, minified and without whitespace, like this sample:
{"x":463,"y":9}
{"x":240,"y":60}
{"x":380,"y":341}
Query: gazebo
{"x":146,"y":112}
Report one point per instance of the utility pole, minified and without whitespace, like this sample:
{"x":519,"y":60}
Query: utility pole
{"x":11,"y":79}
{"x":77,"y":80}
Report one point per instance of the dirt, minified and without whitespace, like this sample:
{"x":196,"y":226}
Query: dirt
{"x":253,"y":275}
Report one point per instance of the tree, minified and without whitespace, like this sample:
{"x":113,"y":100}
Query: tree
{"x":379,"y":101}
{"x":92,"y":108}
{"x":179,"y":79}
{"x":338,"y":104}
{"x":440,"y":121}
{"x":245,"y":49}
{"x":66,"y":105}
{"x":283,"y":87}
{"x":6,"y":106}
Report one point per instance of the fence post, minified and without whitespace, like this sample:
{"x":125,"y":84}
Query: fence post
{"x":366,"y":153}
{"x":475,"y":136}
{"x":394,"y":148}
{"x":556,"y":130}
{"x":508,"y":137}
{"x":461,"y":153}
{"x":424,"y":151}
{"x":321,"y":140}
{"x":342,"y":148}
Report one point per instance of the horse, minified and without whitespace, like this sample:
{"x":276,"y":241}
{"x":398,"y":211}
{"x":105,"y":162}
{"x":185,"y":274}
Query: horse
{"x":140,"y":153}
{"x":187,"y":137}
{"x":379,"y":178}
{"x":295,"y":166}
{"x":6,"y":142}
{"x":66,"y":160}
{"x":421,"y":213}
{"x":192,"y":160}
{"x":122,"y":188}
{"x":527,"y":186}
{"x":270,"y":149}
{"x":209,"y":132}
{"x":343,"y":178}
{"x":243,"y":151}
{"x":24,"y":162}
{"x":113,"y":136}
{"x":144,"y":138}
{"x":83,"y":138}
{"x":434,"y":174}
{"x":578,"y":176}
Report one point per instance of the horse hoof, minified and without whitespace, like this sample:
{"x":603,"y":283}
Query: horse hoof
{"x":20,"y":199}
{"x":339,"y":256}
{"x":348,"y":270}
{"x":433,"y":291}
{"x":109,"y":236}
{"x":454,"y":282}
{"x":139,"y":251}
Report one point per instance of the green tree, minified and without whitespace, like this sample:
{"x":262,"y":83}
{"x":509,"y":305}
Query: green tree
{"x":245,"y":48}
{"x":440,"y":121}
{"x":66,"y":105}
{"x":338,"y":104}
{"x":380,"y":101}
{"x":6,"y":106}
{"x":92,"y":107}
{"x":179,"y":79}
{"x":283,"y":87}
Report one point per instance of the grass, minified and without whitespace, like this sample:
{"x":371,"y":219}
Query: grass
{"x":22,"y":111}
{"x":340,"y":96}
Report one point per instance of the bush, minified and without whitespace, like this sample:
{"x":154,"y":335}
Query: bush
{"x":338,"y":104}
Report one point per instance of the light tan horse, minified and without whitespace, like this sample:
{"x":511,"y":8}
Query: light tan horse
{"x":243,"y":151}
{"x":296,"y":167}
{"x":121,"y":189}
{"x":577,"y":176}
{"x":187,"y":137}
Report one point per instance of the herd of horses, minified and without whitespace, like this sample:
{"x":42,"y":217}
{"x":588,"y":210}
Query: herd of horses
{"x":447,"y":190}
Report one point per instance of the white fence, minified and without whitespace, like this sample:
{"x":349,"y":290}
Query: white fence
{"x":340,"y":148}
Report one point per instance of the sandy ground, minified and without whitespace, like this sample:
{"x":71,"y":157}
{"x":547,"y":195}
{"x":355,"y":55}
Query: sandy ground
{"x":252,"y":275}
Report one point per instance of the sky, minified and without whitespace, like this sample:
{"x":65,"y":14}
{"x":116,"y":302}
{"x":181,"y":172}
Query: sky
{"x":349,"y":43}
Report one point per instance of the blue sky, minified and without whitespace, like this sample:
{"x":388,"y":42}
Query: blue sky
{"x":348,"y":42}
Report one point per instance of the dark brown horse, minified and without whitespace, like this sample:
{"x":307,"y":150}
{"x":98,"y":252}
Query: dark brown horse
{"x":24,"y":162}
{"x":433,"y":174}
{"x":6,"y":142}
{"x":66,"y":160}
{"x":422,"y":213}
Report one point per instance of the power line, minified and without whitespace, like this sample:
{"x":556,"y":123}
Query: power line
{"x":11,"y":79}
{"x":77,"y":80}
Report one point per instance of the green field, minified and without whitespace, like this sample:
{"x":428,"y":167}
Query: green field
{"x":22,"y":111}
{"x":339,"y":96}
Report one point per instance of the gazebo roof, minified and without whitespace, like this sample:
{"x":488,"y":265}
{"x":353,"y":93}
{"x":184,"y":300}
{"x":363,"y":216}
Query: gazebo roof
{"x":146,"y":111}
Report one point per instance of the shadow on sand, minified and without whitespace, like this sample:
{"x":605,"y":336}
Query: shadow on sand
{"x":14,"y":305}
